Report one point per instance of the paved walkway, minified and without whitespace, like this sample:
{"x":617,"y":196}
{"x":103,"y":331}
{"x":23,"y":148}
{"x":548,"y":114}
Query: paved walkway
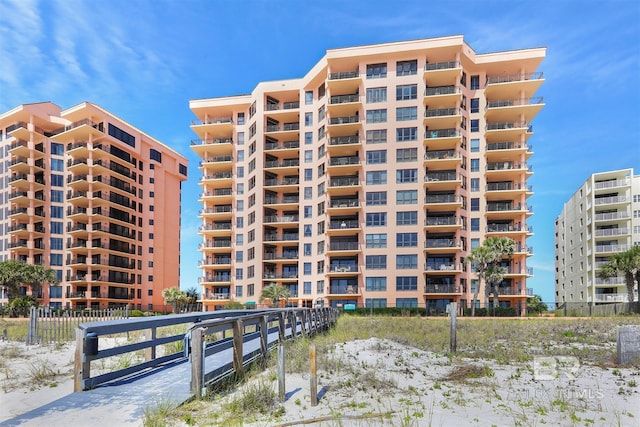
{"x":123,"y":402}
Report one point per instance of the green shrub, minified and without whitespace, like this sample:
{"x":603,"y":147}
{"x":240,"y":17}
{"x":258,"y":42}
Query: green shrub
{"x":136,"y":313}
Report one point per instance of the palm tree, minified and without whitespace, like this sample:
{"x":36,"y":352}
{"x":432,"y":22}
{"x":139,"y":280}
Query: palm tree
{"x":175,"y":297}
{"x":14,"y":274}
{"x":275,"y":293}
{"x":486,"y":260}
{"x":624,"y":263}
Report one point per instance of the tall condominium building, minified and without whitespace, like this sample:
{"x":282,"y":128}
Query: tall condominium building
{"x":95,"y":199}
{"x":601,"y":219}
{"x":369,"y":180}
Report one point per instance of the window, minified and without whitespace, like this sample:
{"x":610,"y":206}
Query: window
{"x":320,"y":246}
{"x":407,"y":302}
{"x":475,"y":243}
{"x":57,"y":196}
{"x":475,"y":125}
{"x":55,"y":259}
{"x":57,"y":212}
{"x":407,"y":261}
{"x":475,"y":224}
{"x":308,"y":211}
{"x":240,"y":138}
{"x":320,"y":189}
{"x":306,"y":288}
{"x":376,"y":157}
{"x":407,"y":197}
{"x":306,"y":268}
{"x":373,"y":262}
{"x":376,"y":71}
{"x":406,"y":92}
{"x":308,"y":97}
{"x":56,"y":227}
{"x":56,"y":243}
{"x":406,"y":134}
{"x":240,"y":118}
{"x":376,"y":177}
{"x":320,"y":286}
{"x":239,"y":273}
{"x":376,"y":136}
{"x":57,"y":149}
{"x":321,"y":132}
{"x":475,"y":82}
{"x":475,"y":165}
{"x":475,"y":145}
{"x":307,"y":249}
{"x":376,"y":198}
{"x":55,"y":291}
{"x":377,"y":116}
{"x":407,"y":218}
{"x":475,"y":105}
{"x":376,"y":219}
{"x":404,"y":240}
{"x":240,"y":155}
{"x":475,"y":204}
{"x":123,"y":136}
{"x":57,"y":180}
{"x":376,"y":94}
{"x":239,"y":291}
{"x":475,"y":184}
{"x":376,"y":240}
{"x":155,"y":155}
{"x":308,"y":138}
{"x":322,"y":113}
{"x":406,"y":283}
{"x":308,"y":119}
{"x":308,"y":174}
{"x":307,"y":230}
{"x":308,"y":193}
{"x":406,"y":113}
{"x":182,"y":169}
{"x":57,"y":165}
{"x":376,"y":284}
{"x":406,"y":155}
{"x":240,"y":171}
{"x":321,"y":91}
{"x":321,"y":208}
{"x":404,"y":176}
{"x":239,"y":256}
{"x":406,"y":68}
{"x":308,"y":156}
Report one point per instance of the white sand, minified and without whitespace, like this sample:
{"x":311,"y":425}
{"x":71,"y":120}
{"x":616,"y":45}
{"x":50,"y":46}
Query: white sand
{"x":405,"y":385}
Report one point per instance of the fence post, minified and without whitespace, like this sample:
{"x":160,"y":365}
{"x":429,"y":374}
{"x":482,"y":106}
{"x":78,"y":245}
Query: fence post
{"x":150,"y":352}
{"x":313,"y":386}
{"x":238,"y":355}
{"x":453,"y":311}
{"x":282,"y":326}
{"x":31,"y":332}
{"x":197,"y":361}
{"x":264,"y":336}
{"x":81,"y":367}
{"x":281,"y":386}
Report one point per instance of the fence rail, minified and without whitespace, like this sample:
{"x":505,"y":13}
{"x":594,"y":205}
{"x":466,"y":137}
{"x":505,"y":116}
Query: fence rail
{"x":48,"y":326}
{"x":224,"y":329}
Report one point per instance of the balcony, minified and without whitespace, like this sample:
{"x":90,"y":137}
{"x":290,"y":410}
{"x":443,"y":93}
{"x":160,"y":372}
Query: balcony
{"x":613,"y":200}
{"x":442,"y":181}
{"x":213,"y":146}
{"x":508,"y":86}
{"x":507,"y":171}
{"x":286,"y":237}
{"x":346,"y":124}
{"x":614,"y":183}
{"x":447,"y":200}
{"x":285,"y":219}
{"x":219,"y":178}
{"x":612,"y":232}
{"x":286,"y":256}
{"x":286,"y":166}
{"x":281,"y":202}
{"x":217,"y":212}
{"x":508,"y":130}
{"x":507,"y":207}
{"x":344,"y":290}
{"x":442,"y":159}
{"x":612,"y":298}
{"x":449,"y":223}
{"x":513,"y":109}
{"x":438,"y":73}
{"x":447,"y":267}
{"x":344,"y":81}
{"x":442,"y":118}
{"x":282,"y":184}
{"x":502,"y":148}
{"x":443,"y":96}
{"x":444,"y":243}
{"x":612,"y":216}
{"x":609,"y":249}
{"x":285,"y":148}
{"x":84,"y":129}
{"x":442,"y":289}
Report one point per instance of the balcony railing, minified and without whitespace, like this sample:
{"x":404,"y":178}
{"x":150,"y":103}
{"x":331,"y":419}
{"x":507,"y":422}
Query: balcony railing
{"x":442,"y":243}
{"x":441,"y":133}
{"x":285,"y":218}
{"x":441,"y":90}
{"x":347,"y":289}
{"x":504,"y":206}
{"x":515,"y":102}
{"x":447,"y":65}
{"x":344,"y":182}
{"x":343,"y":225}
{"x":611,"y":248}
{"x":281,"y":200}
{"x":609,"y":200}
{"x":344,"y":246}
{"x":441,"y":155}
{"x":514,"y":78}
{"x":286,"y":163}
{"x":507,"y":125}
{"x":282,"y":128}
{"x":284,"y":181}
{"x":344,"y":75}
{"x":284,"y":256}
{"x":441,"y":176}
{"x":343,"y":99}
{"x":441,"y":220}
{"x":506,"y":186}
{"x":211,"y":141}
{"x":611,"y":216}
{"x":442,"y":289}
{"x":441,"y":112}
{"x":343,"y":140}
{"x":503,"y":228}
{"x":344,"y":161}
{"x":506,"y":146}
{"x":611,"y":232}
{"x":344,"y":120}
{"x":442,"y":198}
{"x":344,"y":203}
{"x":449,"y":266}
{"x":612,"y":183}
{"x":219,"y":175}
{"x":287,"y":145}
{"x":496,"y":166}
{"x":212,"y":121}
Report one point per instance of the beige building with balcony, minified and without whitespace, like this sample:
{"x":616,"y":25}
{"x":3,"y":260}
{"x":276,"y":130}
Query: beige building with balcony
{"x":369,"y":180}
{"x":602,"y":218}
{"x":95,"y":199}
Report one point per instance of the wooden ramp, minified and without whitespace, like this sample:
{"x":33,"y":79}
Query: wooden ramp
{"x":123,"y":402}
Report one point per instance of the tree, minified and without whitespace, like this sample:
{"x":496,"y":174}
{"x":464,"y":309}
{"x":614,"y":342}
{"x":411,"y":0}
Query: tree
{"x":486,"y":260}
{"x":624,"y":263}
{"x":275,"y":293}
{"x":192,"y":295}
{"x":175,"y":297}
{"x":535,"y":305}
{"x":14,"y":274}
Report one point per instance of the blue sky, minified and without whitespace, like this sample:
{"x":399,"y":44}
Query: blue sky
{"x":144,"y":61}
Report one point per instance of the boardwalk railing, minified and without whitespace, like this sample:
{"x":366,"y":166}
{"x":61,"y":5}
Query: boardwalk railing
{"x":48,"y":326}
{"x":171,"y":339}
{"x":260,"y":332}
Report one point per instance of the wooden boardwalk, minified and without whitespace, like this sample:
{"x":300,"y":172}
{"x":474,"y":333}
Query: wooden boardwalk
{"x":123,"y":402}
